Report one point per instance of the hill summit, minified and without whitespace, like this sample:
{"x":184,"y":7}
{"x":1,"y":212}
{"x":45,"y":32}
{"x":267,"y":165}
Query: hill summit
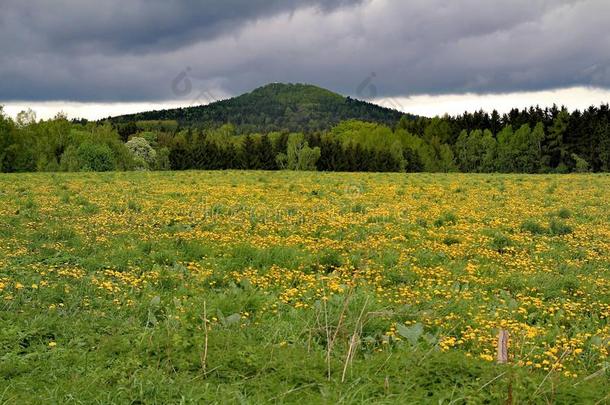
{"x":275,"y":107}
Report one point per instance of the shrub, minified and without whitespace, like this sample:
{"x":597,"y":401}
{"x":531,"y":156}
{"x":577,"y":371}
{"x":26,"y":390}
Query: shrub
{"x":299,"y":156}
{"x":143,"y":154}
{"x":580,"y":165}
{"x":69,"y":161}
{"x":162,"y":161}
{"x":95,"y":157}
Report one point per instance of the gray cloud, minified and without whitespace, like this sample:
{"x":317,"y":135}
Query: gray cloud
{"x":124,"y":51}
{"x":136,"y":26}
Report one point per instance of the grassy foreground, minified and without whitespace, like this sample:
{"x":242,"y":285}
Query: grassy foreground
{"x":315,"y":288}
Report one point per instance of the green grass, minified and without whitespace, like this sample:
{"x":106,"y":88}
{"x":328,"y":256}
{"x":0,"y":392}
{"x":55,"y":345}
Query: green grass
{"x":315,"y":288}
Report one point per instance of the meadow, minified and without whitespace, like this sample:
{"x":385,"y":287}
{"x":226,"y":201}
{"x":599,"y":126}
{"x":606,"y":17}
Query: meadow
{"x":285,"y":287}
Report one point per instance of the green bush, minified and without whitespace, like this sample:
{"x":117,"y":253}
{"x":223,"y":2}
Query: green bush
{"x":95,"y":157}
{"x":69,"y":160}
{"x":143,"y":154}
{"x":580,"y":165}
{"x":299,"y":156}
{"x":162,"y":160}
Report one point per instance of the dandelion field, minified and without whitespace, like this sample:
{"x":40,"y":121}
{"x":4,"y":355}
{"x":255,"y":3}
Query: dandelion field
{"x":250,"y":287}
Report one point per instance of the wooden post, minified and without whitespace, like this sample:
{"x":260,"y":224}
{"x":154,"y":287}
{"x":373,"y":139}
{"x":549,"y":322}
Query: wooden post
{"x":503,"y":346}
{"x":503,"y":359}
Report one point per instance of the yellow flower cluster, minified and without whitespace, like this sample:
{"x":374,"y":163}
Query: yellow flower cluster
{"x":466,"y":255}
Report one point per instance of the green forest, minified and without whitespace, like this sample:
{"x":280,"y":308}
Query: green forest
{"x":303,"y":127}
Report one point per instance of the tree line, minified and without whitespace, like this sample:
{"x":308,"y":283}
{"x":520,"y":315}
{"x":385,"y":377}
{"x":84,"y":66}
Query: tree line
{"x":533,"y":140}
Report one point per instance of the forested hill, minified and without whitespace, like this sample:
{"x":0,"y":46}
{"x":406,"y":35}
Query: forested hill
{"x":275,"y":107}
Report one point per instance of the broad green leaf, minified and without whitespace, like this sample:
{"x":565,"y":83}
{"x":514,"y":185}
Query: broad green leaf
{"x":411,"y":333}
{"x":232,"y":319}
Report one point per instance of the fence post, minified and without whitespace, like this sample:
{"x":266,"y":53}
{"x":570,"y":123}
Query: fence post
{"x":503,"y":346}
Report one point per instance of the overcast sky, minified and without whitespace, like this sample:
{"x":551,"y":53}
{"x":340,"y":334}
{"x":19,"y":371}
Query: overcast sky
{"x":97,"y":58}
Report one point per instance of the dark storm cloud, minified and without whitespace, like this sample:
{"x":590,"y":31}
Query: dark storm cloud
{"x":136,"y":25}
{"x":133,"y":50}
